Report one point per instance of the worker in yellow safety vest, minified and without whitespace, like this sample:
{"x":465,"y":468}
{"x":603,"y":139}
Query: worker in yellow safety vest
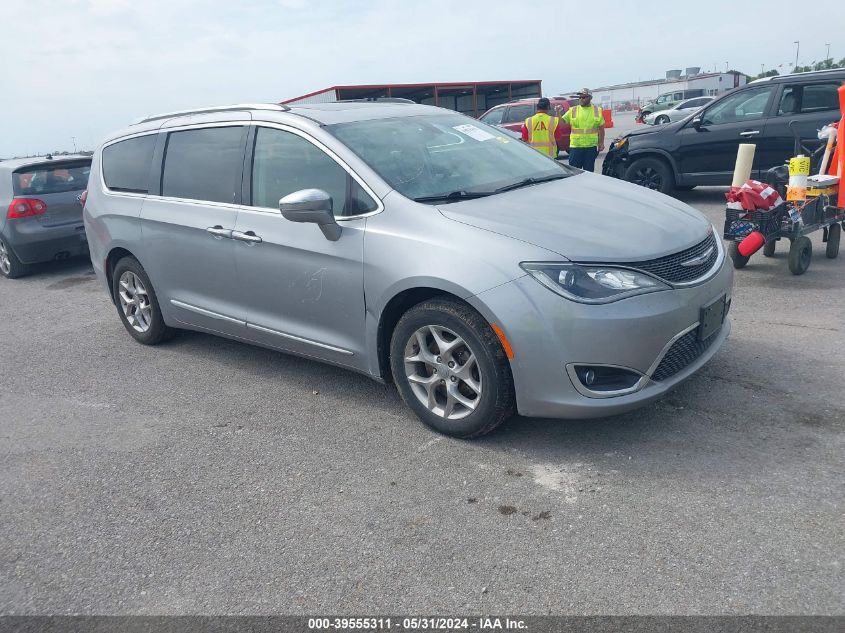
{"x":542,"y":130}
{"x":587,"y":137}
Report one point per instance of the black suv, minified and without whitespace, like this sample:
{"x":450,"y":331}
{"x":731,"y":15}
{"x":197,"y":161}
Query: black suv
{"x":701,"y":149}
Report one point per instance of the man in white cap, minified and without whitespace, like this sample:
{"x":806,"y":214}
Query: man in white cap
{"x":587,"y":138}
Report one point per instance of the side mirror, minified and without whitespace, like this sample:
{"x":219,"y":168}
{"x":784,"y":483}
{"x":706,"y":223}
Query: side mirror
{"x":314,"y":206}
{"x":696,"y":122}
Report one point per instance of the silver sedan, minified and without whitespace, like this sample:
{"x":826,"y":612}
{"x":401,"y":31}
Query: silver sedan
{"x":679,"y":112}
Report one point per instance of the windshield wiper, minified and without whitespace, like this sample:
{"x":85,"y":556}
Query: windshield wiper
{"x":529,"y":181}
{"x":454,"y":196}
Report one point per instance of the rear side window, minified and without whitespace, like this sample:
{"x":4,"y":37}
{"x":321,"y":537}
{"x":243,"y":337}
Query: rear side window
{"x":820,"y":97}
{"x":284,"y":163}
{"x":808,"y":99}
{"x":203,"y":164}
{"x":126,"y":165}
{"x":44,"y":179}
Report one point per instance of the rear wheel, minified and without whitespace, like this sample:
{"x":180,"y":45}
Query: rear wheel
{"x":450,"y":368}
{"x":10,"y":266}
{"x":737,"y":258}
{"x":800,"y":255}
{"x":651,"y":173}
{"x":137,"y":304}
{"x":833,"y":235}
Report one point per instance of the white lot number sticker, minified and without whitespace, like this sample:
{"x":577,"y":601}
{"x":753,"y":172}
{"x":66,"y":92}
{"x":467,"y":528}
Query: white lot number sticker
{"x":474,"y":132}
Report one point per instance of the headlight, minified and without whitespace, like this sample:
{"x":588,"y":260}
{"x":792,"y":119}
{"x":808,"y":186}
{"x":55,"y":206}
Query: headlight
{"x":619,"y":143}
{"x":592,"y":284}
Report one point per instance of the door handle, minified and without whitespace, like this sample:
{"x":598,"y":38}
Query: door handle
{"x":219,"y":232}
{"x":749,"y":133}
{"x":249,"y":236}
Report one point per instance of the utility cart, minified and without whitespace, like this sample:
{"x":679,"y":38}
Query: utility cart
{"x":779,"y":223}
{"x":792,"y":220}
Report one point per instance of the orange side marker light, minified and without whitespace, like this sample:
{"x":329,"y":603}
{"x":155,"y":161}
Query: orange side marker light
{"x":503,"y":340}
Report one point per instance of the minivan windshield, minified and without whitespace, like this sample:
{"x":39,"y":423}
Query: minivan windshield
{"x":446,"y":157}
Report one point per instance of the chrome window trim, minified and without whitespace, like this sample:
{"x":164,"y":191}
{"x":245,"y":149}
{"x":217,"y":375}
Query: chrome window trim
{"x":337,"y":159}
{"x":280,"y":126}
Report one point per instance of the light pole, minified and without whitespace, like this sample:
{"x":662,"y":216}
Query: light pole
{"x":726,"y":66}
{"x":797,"y":48}
{"x":73,"y":138}
{"x":828,"y":50}
{"x":762,"y":68}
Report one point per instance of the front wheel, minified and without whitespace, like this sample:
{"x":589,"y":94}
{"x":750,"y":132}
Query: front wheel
{"x":739,"y":260}
{"x":661,"y":120}
{"x":833,"y":235}
{"x":651,"y":173}
{"x":800,"y":255}
{"x":137,"y":304}
{"x":451,"y":369}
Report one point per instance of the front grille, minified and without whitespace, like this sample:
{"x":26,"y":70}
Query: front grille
{"x":683,"y":352}
{"x":669,"y":267}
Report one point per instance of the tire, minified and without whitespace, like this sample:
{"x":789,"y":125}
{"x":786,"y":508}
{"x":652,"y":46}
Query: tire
{"x":486,"y":395}
{"x":769,"y":248}
{"x":661,"y":120}
{"x":10,"y":266}
{"x":135,"y":299}
{"x":739,"y":260}
{"x":800,"y":255}
{"x":651,"y":173}
{"x":834,"y":232}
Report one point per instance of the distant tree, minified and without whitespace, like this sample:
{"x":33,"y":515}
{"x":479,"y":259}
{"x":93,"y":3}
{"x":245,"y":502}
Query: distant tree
{"x":825,"y":64}
{"x":768,"y":73}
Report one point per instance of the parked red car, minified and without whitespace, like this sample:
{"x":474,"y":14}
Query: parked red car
{"x":512,"y":115}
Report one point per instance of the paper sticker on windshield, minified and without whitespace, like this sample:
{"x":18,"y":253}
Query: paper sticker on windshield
{"x":474,"y":132}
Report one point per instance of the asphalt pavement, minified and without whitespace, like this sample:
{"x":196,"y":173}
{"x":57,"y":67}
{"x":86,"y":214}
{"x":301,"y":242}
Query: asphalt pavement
{"x":208,"y":476}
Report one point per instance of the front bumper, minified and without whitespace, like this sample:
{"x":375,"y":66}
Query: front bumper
{"x":33,"y":243}
{"x":615,"y":162}
{"x":549,"y":334}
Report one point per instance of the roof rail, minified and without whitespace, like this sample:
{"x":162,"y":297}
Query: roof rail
{"x":378,"y":99}
{"x":240,"y":106}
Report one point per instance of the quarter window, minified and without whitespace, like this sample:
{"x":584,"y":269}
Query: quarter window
{"x":284,"y":163}
{"x":494,"y":117}
{"x":203,"y":164}
{"x":126,"y":165}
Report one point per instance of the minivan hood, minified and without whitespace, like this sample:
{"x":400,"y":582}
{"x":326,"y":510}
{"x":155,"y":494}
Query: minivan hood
{"x":588,"y":218}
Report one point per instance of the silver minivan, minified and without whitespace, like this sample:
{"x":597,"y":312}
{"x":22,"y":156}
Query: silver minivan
{"x":412,"y":244}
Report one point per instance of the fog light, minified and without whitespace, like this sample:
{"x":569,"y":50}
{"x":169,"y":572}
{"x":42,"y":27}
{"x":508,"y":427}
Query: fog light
{"x":601,"y":378}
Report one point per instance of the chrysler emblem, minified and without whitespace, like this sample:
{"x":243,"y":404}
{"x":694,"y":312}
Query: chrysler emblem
{"x":700,"y":259}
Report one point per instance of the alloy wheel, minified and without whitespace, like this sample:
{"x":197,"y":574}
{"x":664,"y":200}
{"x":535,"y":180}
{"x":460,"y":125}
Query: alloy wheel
{"x":443,"y":372}
{"x":648,"y":177}
{"x":5,"y":262}
{"x":135,"y":302}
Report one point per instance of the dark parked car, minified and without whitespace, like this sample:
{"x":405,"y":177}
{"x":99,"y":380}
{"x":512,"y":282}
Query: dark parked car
{"x":701,"y":149}
{"x":42,"y":198}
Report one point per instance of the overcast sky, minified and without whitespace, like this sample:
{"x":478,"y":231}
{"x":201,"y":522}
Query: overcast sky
{"x":81,"y":68}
